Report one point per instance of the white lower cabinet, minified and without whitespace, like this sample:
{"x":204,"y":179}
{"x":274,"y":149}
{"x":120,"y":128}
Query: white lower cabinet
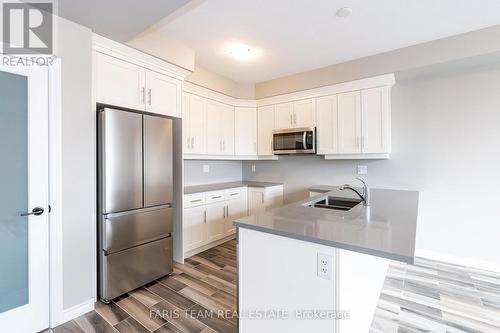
{"x":262,"y":198}
{"x":194,"y":227}
{"x":216,"y":213}
{"x":209,"y":216}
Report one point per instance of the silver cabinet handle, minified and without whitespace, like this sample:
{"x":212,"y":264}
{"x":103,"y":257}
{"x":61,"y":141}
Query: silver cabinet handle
{"x":205,"y":216}
{"x":37,"y":211}
{"x":224,"y":211}
{"x":227,"y":211}
{"x":143,"y":95}
{"x":217,"y":197}
{"x":262,"y":197}
{"x":291,"y":119}
{"x":150,"y":96}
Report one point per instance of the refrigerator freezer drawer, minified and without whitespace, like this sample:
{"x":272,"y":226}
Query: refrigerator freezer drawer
{"x":129,"y":269}
{"x":124,"y":230}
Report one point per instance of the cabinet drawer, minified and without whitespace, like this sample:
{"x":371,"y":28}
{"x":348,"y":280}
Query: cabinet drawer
{"x":215,"y":196}
{"x":194,"y":199}
{"x":233,"y":193}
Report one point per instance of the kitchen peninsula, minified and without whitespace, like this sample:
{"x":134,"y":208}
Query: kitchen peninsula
{"x":309,"y":262}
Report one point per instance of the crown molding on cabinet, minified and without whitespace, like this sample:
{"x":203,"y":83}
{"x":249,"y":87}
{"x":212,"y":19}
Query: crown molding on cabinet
{"x":386,"y":80}
{"x":201,"y":91}
{"x":125,"y":52}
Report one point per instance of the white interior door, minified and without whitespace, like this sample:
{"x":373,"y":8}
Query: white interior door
{"x":24,"y":240}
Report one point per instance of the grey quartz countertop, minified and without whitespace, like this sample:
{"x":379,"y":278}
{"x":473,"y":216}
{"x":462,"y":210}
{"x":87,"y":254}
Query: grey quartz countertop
{"x":387,"y":228}
{"x":223,"y":186}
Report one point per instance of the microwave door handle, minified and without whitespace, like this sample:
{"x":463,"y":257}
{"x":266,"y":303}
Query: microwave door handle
{"x":304,"y":140}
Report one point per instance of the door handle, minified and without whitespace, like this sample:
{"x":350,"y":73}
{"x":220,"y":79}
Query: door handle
{"x":36,"y":211}
{"x":143,"y":95}
{"x":291,"y":119}
{"x":149,"y":96}
{"x":295,"y":119}
{"x":224,"y":211}
{"x":205,"y":216}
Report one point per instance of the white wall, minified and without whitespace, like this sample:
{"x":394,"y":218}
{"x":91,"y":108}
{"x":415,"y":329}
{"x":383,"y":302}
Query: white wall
{"x":78,"y":162}
{"x":446,"y":137}
{"x":220,"y":172}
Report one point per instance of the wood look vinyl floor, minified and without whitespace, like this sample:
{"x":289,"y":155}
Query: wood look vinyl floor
{"x":426,"y":297}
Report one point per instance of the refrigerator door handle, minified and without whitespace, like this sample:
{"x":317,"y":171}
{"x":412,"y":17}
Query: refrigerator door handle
{"x":135,"y":211}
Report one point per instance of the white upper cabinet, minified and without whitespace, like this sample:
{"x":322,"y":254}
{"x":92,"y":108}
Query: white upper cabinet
{"x":219,"y":128}
{"x":227,"y":130}
{"x":304,"y":113}
{"x":296,"y":114}
{"x":283,"y":114}
{"x":119,"y":82}
{"x":375,"y":120}
{"x":194,"y":115}
{"x":122,"y":83}
{"x":214,"y":127}
{"x":265,"y":126}
{"x":327,"y":127}
{"x":349,"y":122}
{"x":163,"y":94}
{"x":245,"y":131}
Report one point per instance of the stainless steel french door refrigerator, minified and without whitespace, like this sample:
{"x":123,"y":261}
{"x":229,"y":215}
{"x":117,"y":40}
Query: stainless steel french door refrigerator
{"x":134,"y":200}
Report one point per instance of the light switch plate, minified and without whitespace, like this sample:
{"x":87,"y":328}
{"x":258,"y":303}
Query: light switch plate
{"x":325,"y":266}
{"x":206,"y":168}
{"x":362,"y":170}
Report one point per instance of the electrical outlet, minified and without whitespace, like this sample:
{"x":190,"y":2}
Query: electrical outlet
{"x":362,"y":170}
{"x":253,"y":167}
{"x":325,"y":266}
{"x":206,"y":168}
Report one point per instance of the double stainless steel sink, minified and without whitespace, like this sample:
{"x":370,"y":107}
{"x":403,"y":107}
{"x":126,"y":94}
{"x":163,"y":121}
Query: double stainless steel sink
{"x":335,"y":203}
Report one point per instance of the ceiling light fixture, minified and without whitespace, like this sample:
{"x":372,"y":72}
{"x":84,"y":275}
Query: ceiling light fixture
{"x":344,"y":11}
{"x":241,"y":52}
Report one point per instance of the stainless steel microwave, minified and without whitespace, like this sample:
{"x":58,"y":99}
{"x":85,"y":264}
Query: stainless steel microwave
{"x":294,"y":141}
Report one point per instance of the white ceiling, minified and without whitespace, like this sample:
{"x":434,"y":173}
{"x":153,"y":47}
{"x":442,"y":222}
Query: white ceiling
{"x":120,"y":20}
{"x":298,"y":35}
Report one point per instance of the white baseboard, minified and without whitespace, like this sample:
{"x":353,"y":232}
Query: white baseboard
{"x":79,"y":309}
{"x":464,"y":261}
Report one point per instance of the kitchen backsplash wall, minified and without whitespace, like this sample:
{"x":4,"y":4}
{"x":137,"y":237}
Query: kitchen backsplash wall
{"x":444,"y":126}
{"x":219,"y":171}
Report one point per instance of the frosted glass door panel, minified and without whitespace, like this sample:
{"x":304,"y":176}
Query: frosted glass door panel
{"x":13,"y":191}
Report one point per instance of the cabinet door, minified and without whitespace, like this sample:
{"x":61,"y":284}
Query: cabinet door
{"x":349,"y":116}
{"x":283,"y":115}
{"x":234,"y":212}
{"x":327,"y":124}
{"x":163,"y":94}
{"x":213,"y":128}
{"x":119,"y":83}
{"x":265,"y":126}
{"x":216,"y":223}
{"x":186,"y":138}
{"x":245,"y":131}
{"x":227,"y":116}
{"x":196,"y":132}
{"x":375,"y":120}
{"x":304,"y":113}
{"x":194,"y":228}
{"x":256,"y":200}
